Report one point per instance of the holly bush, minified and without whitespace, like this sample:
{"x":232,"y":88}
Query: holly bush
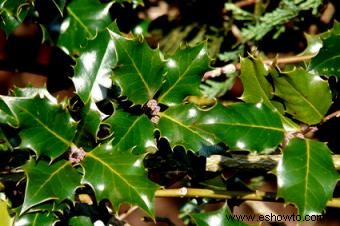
{"x":134,"y":108}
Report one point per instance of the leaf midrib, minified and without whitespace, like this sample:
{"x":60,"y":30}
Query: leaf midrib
{"x":246,"y":125}
{"x":179,"y":79}
{"x":140,"y":75}
{"x":325,"y":61}
{"x":304,"y":98}
{"x":48,"y":179}
{"x":97,"y":69}
{"x":91,"y":155}
{"x":79,"y":20}
{"x":185,"y":126}
{"x":130,"y":128}
{"x":45,"y":126}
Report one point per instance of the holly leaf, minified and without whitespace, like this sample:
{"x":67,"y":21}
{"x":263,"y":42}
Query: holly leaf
{"x":326,"y":62}
{"x":91,"y":118}
{"x":94,"y":67}
{"x":127,"y":127}
{"x":85,"y":18}
{"x":258,"y":89}
{"x":80,"y":221}
{"x":36,"y":219}
{"x":45,"y":182}
{"x":139,"y":71}
{"x":5,"y":217}
{"x":12,"y":14}
{"x":241,"y":126}
{"x":256,"y":86}
{"x":220,"y":217}
{"x":314,"y":44}
{"x":184,"y":73}
{"x":6,"y":115}
{"x":45,"y":127}
{"x":306,"y":175}
{"x":119,"y":177}
{"x":306,"y":96}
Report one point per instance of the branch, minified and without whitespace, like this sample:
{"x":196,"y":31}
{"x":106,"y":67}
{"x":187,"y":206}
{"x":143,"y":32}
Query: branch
{"x":335,"y":114}
{"x":260,"y":162}
{"x":208,"y":193}
{"x":230,"y":68}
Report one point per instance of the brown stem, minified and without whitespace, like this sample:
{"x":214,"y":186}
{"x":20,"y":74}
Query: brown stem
{"x":123,"y":216}
{"x":244,"y":3}
{"x":335,"y":114}
{"x":216,"y":163}
{"x":284,"y":60}
{"x":208,"y":193}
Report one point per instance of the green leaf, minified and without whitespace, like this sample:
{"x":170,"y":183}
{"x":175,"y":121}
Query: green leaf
{"x":12,"y":14}
{"x":256,"y":86}
{"x":5,"y":145}
{"x":6,"y":115}
{"x":127,"y":128}
{"x":85,"y":19}
{"x":91,"y":118}
{"x":45,"y":127}
{"x":241,"y":126}
{"x":94,"y":67}
{"x":139,"y":71}
{"x":80,"y":221}
{"x":119,"y":177}
{"x":306,"y":96}
{"x":184,"y":73}
{"x":36,"y":219}
{"x":306,"y":176}
{"x":49,"y":182}
{"x":258,"y":89}
{"x":6,"y":219}
{"x":314,"y":44}
{"x":221,"y":217}
{"x":326,"y":62}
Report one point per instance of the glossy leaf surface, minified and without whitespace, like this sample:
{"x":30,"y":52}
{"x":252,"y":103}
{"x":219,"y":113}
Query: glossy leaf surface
{"x":119,"y":177}
{"x":139,"y":70}
{"x":94,"y":67}
{"x":258,"y":89}
{"x":131,"y":132}
{"x":45,"y":127}
{"x":84,"y":19}
{"x":5,"y":217}
{"x":57,"y":181}
{"x":184,"y":73}
{"x":326,"y":62}
{"x":6,"y":115}
{"x":256,"y":86}
{"x":35,"y":219}
{"x":221,"y":217}
{"x":306,"y":96}
{"x":90,"y":123}
{"x":240,"y":126}
{"x":306,"y":175}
